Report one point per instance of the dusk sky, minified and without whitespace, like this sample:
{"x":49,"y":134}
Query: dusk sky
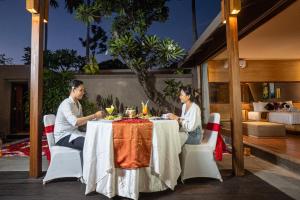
{"x":64,"y":29}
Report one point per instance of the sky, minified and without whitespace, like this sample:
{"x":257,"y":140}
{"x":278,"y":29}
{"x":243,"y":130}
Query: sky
{"x":64,"y":30}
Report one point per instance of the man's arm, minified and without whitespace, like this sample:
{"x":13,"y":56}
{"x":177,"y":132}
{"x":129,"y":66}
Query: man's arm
{"x":83,"y":120}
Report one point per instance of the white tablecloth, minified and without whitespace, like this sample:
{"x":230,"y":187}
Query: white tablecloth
{"x":101,"y":176}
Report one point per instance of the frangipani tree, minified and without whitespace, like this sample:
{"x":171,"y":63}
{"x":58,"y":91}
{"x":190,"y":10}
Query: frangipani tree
{"x":141,"y":54}
{"x":130,"y":42}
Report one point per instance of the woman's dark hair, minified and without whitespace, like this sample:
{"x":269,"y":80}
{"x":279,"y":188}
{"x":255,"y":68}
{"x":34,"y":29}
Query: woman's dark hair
{"x":75,"y":84}
{"x":188,"y":91}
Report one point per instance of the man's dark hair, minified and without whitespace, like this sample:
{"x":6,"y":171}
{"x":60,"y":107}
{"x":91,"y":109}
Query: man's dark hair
{"x":75,"y":84}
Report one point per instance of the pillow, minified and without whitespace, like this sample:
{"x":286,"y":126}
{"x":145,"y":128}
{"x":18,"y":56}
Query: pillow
{"x":259,"y":106}
{"x":276,"y":105}
{"x":290,"y":103}
{"x":270,"y":106}
{"x":285,"y":106}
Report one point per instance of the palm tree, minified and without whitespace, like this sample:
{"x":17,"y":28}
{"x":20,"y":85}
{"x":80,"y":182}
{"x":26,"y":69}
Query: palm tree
{"x":194,"y":21}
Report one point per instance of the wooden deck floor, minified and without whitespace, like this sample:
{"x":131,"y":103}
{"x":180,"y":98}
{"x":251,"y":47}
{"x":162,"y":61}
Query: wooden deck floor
{"x":17,"y":186}
{"x":288,"y":148}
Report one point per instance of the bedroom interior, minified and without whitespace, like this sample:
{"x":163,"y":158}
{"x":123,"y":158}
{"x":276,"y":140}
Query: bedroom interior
{"x":270,"y":85}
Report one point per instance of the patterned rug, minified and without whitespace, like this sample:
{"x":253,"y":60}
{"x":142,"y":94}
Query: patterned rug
{"x":22,"y":148}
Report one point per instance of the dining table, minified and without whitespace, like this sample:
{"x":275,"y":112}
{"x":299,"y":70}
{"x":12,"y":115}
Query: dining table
{"x":103,"y":174}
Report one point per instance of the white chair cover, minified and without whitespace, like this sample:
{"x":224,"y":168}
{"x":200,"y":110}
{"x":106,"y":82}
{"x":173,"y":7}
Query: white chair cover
{"x":198,"y":160}
{"x":65,"y":162}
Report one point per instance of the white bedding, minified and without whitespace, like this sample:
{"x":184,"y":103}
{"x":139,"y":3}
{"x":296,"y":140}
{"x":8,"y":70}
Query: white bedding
{"x":285,"y":117}
{"x":256,"y":116}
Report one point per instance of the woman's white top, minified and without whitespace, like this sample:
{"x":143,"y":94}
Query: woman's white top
{"x":191,"y":118}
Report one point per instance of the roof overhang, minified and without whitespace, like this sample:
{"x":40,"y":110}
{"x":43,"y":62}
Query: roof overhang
{"x":212,"y":42}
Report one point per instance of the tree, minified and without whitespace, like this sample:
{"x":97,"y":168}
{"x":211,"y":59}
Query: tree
{"x":113,"y":64}
{"x":27,"y":56}
{"x":97,"y":41}
{"x":139,"y":51}
{"x":72,"y":5}
{"x":194,"y":21}
{"x":4,"y":60}
{"x":61,"y":60}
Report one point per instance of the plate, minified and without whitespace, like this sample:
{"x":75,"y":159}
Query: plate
{"x":157,"y":118}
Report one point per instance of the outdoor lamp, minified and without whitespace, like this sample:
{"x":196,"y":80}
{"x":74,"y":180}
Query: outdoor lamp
{"x":223,"y":17}
{"x":46,"y":14}
{"x":235,"y":6}
{"x":32,"y":6}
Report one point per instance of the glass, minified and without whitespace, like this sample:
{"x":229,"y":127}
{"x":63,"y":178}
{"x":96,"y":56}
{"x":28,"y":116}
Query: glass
{"x":110,"y":110}
{"x":144,"y":109}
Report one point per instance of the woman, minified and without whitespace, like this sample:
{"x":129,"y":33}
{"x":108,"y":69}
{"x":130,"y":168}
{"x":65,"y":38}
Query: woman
{"x":190,"y":120}
{"x":69,"y":117}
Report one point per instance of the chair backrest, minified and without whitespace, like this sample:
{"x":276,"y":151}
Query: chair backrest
{"x":49,"y":121}
{"x":211,"y":132}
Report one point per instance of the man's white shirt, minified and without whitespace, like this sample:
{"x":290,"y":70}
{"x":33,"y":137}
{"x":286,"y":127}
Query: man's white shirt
{"x":66,"y":118}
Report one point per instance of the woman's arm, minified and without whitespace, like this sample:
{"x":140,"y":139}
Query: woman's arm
{"x":191,"y":122}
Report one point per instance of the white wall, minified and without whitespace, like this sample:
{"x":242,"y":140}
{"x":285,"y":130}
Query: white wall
{"x":125,"y":86}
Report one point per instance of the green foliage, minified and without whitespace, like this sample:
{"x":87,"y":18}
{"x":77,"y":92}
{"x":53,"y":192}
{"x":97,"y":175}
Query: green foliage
{"x":130,"y":15}
{"x":61,"y":60}
{"x":129,"y":42}
{"x":97,"y":41}
{"x":70,"y":5}
{"x":92,"y":67}
{"x":55,"y":89}
{"x":113,"y":64}
{"x":27,"y":56}
{"x":106,"y":102}
{"x":146,"y":52}
{"x":4,"y":60}
{"x":88,"y":107}
{"x":172,"y":89}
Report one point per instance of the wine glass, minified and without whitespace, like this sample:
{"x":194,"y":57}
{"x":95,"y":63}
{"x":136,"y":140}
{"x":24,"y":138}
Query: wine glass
{"x":110,"y":110}
{"x":145,"y":109}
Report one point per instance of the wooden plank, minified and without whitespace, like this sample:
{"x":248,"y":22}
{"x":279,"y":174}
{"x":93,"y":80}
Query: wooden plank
{"x":36,"y":93}
{"x":16,"y":186}
{"x":258,"y":71}
{"x":235,"y":92}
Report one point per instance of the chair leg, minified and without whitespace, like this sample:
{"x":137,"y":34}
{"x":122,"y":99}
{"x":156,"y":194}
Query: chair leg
{"x":81,"y":179}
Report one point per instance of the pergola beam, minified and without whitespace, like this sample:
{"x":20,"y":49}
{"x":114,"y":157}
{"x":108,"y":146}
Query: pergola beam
{"x":36,"y":90}
{"x":235,"y":90}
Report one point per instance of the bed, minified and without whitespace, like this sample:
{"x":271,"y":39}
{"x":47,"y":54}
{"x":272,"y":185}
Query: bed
{"x":284,"y":117}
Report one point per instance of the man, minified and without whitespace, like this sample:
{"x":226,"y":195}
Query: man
{"x":69,"y":117}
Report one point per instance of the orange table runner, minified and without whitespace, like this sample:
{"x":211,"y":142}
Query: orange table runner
{"x":132,"y":143}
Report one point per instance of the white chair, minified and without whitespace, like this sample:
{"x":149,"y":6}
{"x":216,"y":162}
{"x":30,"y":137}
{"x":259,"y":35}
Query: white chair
{"x":65,"y":162}
{"x":198,"y":160}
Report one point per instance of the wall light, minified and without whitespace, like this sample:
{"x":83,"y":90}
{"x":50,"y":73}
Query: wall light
{"x":32,"y":6}
{"x":223,"y":17}
{"x":242,"y":64}
{"x":46,"y":14}
{"x":235,"y":7}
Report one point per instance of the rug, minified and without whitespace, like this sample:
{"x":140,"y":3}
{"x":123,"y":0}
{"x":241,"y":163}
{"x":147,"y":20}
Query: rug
{"x":22,"y":148}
